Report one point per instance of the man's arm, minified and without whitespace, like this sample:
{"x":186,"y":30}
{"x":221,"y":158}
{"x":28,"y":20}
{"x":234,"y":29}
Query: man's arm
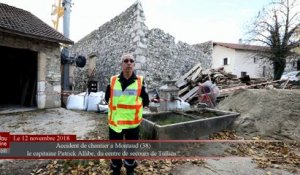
{"x":144,"y":95}
{"x":107,"y":94}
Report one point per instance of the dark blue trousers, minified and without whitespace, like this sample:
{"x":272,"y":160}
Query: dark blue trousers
{"x":127,"y":134}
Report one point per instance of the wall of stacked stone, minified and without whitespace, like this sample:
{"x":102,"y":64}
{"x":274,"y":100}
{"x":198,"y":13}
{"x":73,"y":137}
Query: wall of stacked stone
{"x":158,"y":57}
{"x":206,"y":47}
{"x":168,"y":60}
{"x":108,"y":43}
{"x":138,"y":35}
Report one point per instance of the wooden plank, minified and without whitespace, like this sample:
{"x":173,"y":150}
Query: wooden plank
{"x":196,"y":74}
{"x":191,"y":70}
{"x":191,"y":97}
{"x":190,"y":93}
{"x":25,"y":92}
{"x":182,"y":91}
{"x":285,"y":83}
{"x":33,"y":93}
{"x":180,"y":83}
{"x":181,"y":79}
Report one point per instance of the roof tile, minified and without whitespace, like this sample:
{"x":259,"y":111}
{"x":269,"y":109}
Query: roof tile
{"x":243,"y":46}
{"x":20,"y":22}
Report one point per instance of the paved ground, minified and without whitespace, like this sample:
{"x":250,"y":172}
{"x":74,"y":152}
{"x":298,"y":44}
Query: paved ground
{"x":227,"y":166}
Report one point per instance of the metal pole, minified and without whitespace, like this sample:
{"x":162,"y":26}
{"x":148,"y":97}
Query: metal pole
{"x":66,"y":31}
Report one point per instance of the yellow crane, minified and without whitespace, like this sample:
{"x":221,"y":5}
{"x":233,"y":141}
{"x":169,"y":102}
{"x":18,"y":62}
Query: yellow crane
{"x":57,"y":12}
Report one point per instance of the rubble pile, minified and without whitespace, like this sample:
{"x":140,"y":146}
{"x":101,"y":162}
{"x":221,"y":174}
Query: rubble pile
{"x":225,"y":81}
{"x":189,"y":82}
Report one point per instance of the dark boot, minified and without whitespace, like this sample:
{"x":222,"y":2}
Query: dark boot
{"x":116,"y":169}
{"x":130,"y":172}
{"x":130,"y":167}
{"x":116,"y":172}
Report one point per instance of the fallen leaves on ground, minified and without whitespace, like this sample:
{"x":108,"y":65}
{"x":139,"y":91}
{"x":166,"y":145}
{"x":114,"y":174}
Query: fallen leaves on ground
{"x":266,"y":153}
{"x":224,"y":135}
{"x":96,"y":167}
{"x":74,"y":167}
{"x":274,"y":154}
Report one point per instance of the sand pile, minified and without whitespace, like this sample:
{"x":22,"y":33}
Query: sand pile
{"x":266,"y":113}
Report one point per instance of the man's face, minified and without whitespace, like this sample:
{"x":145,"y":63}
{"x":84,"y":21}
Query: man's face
{"x":128,"y":64}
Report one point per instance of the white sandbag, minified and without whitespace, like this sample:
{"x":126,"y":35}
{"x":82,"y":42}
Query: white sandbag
{"x":77,"y":102}
{"x":172,"y":105}
{"x":178,"y":104}
{"x":93,"y":100}
{"x":103,"y":108}
{"x":184,"y":105}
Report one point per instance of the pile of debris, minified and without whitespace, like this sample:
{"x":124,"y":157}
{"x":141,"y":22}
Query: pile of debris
{"x":189,"y":83}
{"x":225,"y":81}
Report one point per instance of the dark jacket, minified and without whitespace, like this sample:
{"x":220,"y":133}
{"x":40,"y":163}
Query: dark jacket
{"x":125,"y":83}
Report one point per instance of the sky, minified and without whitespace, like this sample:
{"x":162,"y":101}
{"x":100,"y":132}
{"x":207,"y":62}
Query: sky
{"x":190,"y":21}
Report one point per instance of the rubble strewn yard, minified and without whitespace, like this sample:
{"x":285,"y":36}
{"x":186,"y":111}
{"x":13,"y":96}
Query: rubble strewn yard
{"x":265,"y":114}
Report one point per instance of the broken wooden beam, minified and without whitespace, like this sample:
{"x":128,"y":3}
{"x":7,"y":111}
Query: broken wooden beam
{"x":190,"y":93}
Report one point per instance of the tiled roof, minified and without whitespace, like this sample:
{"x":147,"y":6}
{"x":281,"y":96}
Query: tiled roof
{"x":243,"y":46}
{"x":20,"y":22}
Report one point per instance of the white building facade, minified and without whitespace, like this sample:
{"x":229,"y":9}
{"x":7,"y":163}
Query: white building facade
{"x":241,"y":59}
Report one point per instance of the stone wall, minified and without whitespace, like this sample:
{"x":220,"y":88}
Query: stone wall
{"x":169,"y":60}
{"x":158,"y":57}
{"x":48,"y":75}
{"x":122,"y":34}
{"x":206,"y":47}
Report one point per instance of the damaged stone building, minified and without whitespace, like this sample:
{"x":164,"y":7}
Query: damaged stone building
{"x":158,"y":56}
{"x":30,"y":59}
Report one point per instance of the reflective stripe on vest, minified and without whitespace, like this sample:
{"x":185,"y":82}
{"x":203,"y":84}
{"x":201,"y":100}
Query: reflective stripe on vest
{"x":132,"y":100}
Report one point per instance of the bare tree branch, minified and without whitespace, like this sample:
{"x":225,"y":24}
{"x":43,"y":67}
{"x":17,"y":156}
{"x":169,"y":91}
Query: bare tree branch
{"x":276,"y":26}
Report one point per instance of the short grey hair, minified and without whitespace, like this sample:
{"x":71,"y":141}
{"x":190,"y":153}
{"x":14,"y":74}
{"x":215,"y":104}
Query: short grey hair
{"x":127,"y":55}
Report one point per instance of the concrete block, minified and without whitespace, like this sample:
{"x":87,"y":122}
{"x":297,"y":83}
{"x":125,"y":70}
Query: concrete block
{"x":57,"y":88}
{"x":41,"y":101}
{"x":42,"y":63}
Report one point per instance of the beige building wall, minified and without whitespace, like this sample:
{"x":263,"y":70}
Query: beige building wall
{"x":48,"y":93}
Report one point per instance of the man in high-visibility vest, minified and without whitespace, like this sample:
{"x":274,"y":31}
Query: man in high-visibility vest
{"x":126,"y":96}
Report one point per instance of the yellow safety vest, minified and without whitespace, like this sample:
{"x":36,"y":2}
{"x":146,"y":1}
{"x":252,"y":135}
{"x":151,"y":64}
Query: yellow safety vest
{"x":125,"y":107}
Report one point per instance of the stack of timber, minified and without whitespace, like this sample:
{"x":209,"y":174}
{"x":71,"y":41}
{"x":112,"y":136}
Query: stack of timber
{"x":189,"y":82}
{"x":226,"y":82}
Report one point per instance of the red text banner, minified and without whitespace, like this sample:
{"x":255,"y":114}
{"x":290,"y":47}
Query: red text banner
{"x":4,"y":140}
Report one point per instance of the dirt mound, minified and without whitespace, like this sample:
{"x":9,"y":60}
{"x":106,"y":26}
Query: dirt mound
{"x":266,"y":113}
